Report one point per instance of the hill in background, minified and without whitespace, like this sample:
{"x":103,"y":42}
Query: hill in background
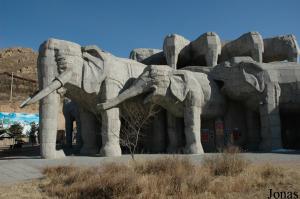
{"x":21,"y":63}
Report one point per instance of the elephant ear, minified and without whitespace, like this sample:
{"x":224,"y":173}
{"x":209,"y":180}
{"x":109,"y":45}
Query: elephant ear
{"x":179,"y":85}
{"x":256,"y":81}
{"x":93,"y":69}
{"x":95,"y":51}
{"x":92,"y":77}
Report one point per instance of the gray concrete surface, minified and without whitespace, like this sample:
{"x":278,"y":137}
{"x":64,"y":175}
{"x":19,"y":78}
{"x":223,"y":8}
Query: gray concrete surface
{"x":21,"y":168}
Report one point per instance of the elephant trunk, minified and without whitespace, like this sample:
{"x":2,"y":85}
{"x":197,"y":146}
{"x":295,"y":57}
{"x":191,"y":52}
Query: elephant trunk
{"x":49,"y":105}
{"x":136,"y":89}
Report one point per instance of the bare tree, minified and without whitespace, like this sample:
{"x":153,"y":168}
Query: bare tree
{"x":136,"y":117}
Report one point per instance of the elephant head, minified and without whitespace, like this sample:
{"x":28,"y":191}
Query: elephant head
{"x":62,"y":64}
{"x":156,"y":81}
{"x":240,"y":78}
{"x":70,"y":65}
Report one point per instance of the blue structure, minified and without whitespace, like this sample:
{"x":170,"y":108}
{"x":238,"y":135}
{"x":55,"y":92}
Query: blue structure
{"x":7,"y":119}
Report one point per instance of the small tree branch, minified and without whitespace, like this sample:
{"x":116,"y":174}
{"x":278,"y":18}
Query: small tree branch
{"x":136,"y":117}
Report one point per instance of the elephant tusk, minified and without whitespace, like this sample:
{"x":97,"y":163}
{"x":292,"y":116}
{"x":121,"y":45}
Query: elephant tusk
{"x":135,"y":90}
{"x":56,"y":84}
{"x":103,"y":106}
{"x":110,"y":103}
{"x":25,"y":103}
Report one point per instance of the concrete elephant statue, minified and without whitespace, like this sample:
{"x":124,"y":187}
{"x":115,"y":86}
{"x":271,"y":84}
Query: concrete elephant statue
{"x":263,"y":88}
{"x":182,"y":93}
{"x":88,"y":76}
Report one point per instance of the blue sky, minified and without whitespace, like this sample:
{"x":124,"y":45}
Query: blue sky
{"x":121,"y":25}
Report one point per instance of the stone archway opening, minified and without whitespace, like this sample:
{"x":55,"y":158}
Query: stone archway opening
{"x":290,"y":130}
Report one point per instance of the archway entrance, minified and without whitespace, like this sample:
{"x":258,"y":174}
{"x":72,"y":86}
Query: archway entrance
{"x":290,"y":130}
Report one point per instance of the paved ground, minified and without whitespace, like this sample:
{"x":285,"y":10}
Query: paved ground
{"x":18,"y":167}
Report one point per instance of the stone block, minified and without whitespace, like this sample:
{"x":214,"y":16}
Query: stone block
{"x":148,"y":56}
{"x":281,"y":48}
{"x":203,"y":51}
{"x":173,"y":44}
{"x":249,"y":44}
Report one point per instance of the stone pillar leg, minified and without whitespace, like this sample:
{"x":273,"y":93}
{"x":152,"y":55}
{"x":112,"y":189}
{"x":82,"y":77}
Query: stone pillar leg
{"x":111,"y":133}
{"x":192,"y":127}
{"x":49,"y":106}
{"x":270,"y":120}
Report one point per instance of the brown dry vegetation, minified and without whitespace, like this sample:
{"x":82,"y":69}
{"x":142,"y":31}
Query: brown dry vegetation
{"x":27,"y":190}
{"x":227,"y":175}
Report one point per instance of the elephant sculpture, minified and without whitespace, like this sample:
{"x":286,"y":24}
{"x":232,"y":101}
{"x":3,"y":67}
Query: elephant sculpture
{"x":88,"y":76}
{"x":265,"y":88}
{"x":183,"y":93}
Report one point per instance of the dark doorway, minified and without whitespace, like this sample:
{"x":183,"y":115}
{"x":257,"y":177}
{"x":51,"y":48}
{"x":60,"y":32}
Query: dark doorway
{"x":290,"y":130}
{"x":208,"y":135}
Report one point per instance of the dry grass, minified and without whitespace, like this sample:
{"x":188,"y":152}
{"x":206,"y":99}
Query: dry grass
{"x":228,"y":163}
{"x":227,"y":175}
{"x":26,"y":190}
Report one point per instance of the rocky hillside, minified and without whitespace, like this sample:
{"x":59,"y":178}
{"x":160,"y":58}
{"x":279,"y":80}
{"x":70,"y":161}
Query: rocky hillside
{"x":21,"y":63}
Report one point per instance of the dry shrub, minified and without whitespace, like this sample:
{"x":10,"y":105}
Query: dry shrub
{"x":170,"y":177}
{"x":164,"y":166}
{"x":269,"y":171}
{"x":24,"y":190}
{"x":230,"y":176}
{"x":228,"y":163}
{"x":109,"y":181}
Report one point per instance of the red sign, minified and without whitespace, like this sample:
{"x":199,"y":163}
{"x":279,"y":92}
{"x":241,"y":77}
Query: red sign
{"x":236,"y":134}
{"x":219,"y":126}
{"x":205,"y":135}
